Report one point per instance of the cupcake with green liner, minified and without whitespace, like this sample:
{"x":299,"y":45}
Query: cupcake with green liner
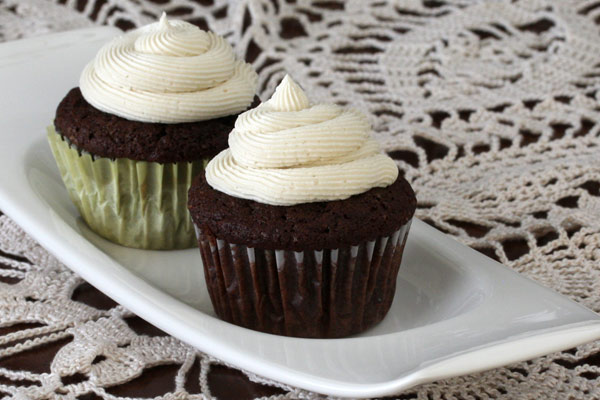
{"x":151,"y":109}
{"x":302,"y":222}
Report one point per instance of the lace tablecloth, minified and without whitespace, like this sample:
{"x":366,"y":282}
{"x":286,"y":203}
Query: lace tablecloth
{"x":490,"y":108}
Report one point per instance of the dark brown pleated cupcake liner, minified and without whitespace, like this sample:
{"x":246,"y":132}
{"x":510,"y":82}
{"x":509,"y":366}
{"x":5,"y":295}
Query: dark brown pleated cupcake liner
{"x":314,"y":293}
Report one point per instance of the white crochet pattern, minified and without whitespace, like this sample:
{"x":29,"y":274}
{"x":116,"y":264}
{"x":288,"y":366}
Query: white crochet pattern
{"x":491,"y":109}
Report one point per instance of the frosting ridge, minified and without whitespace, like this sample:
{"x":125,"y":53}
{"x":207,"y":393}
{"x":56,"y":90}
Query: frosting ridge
{"x":168,"y":72}
{"x":287,"y":152}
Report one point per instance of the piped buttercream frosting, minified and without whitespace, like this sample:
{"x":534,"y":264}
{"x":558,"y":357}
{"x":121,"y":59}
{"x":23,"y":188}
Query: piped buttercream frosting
{"x":168,"y":72}
{"x":287,"y":151}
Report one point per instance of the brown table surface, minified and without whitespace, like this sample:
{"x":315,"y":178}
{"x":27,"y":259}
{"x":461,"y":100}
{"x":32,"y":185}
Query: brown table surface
{"x":225,"y":383}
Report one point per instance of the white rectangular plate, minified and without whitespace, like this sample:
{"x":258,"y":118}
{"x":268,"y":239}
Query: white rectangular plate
{"x":455,"y":311}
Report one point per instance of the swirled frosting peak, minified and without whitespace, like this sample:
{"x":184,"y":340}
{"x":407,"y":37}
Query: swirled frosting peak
{"x":287,"y":152}
{"x":168,"y":72}
{"x":288,"y":96}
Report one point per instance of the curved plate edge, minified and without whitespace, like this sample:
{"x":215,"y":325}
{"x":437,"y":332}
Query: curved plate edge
{"x":486,"y":358}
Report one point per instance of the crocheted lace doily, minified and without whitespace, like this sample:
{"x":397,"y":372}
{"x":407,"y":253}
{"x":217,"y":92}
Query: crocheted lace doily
{"x":491,"y":109}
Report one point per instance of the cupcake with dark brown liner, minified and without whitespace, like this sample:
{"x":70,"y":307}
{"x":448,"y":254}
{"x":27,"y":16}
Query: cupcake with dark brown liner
{"x":302,"y":222}
{"x":151,"y":109}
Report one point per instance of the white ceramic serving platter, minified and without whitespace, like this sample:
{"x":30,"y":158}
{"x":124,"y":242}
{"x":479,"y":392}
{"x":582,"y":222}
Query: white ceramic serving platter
{"x":455,"y":311}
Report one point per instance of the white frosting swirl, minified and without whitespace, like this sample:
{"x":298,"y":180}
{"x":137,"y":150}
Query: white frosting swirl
{"x":168,"y":72}
{"x":285,"y":152}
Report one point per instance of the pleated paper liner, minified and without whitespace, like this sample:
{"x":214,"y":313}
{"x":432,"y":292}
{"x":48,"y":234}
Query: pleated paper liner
{"x":314,"y":294}
{"x":133,"y":203}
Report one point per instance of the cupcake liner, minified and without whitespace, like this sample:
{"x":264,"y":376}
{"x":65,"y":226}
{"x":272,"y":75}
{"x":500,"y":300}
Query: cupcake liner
{"x":314,"y":293}
{"x":133,"y":203}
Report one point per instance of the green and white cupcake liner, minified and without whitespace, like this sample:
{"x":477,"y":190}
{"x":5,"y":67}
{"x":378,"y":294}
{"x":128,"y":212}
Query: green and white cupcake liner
{"x":133,"y":203}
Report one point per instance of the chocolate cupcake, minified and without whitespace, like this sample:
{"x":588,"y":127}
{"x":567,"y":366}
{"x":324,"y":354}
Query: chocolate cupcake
{"x":151,"y":109}
{"x":302,"y":222}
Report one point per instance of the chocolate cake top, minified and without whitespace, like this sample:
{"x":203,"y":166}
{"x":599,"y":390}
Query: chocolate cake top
{"x":308,"y":226}
{"x":106,"y":135}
